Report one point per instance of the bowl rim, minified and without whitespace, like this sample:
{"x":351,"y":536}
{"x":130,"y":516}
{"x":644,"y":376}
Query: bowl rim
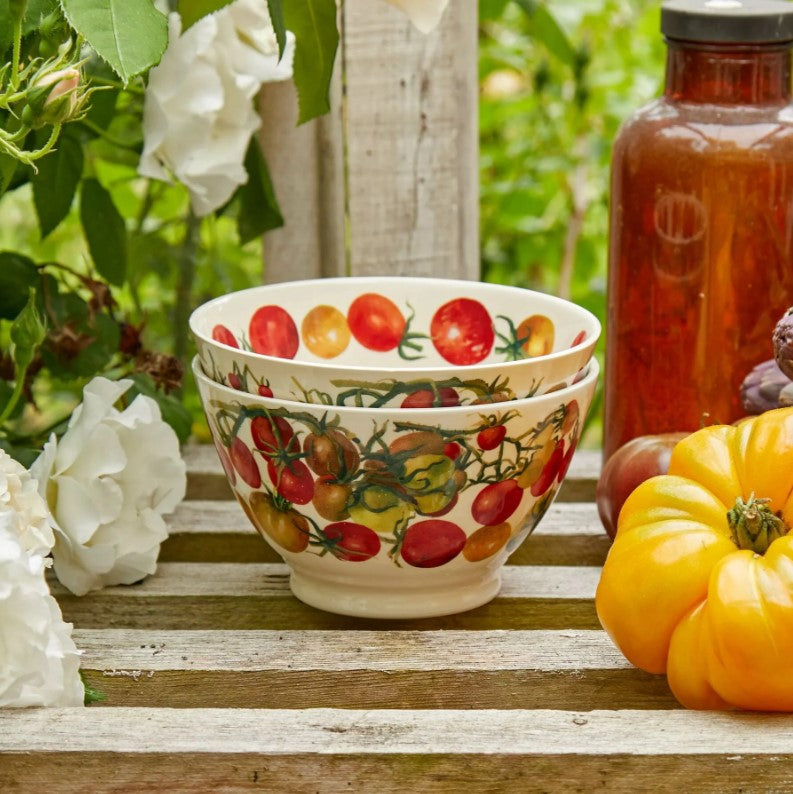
{"x":588,"y":342}
{"x":553,"y":397}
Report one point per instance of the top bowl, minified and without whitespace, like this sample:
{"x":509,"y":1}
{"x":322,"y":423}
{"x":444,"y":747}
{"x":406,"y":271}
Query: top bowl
{"x":400,"y":341}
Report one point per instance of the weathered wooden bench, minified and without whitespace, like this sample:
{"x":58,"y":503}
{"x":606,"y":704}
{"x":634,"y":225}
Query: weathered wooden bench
{"x":217,"y":678}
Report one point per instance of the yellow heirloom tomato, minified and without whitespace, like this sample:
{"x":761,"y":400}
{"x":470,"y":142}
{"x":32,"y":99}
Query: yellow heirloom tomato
{"x":699,"y":581}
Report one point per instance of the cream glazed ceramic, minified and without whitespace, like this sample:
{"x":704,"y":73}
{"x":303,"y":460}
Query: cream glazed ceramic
{"x":393,"y":342}
{"x":401,"y":513}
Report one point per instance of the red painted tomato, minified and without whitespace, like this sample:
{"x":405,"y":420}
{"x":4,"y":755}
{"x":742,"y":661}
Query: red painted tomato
{"x":265,"y":391}
{"x":462,"y":331}
{"x":491,"y":437}
{"x":496,"y":502}
{"x":222,"y":334}
{"x":225,"y":462}
{"x":549,"y":470}
{"x":352,"y":542}
{"x":292,"y":480}
{"x":566,"y":461}
{"x":234,"y":381}
{"x":273,"y":332}
{"x":579,"y":337}
{"x":452,"y":450}
{"x":427,"y":398}
{"x":376,"y":322}
{"x":245,"y":463}
{"x":272,"y":434}
{"x":431,"y":543}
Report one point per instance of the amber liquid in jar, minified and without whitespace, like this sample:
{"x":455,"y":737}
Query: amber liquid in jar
{"x":701,"y":239}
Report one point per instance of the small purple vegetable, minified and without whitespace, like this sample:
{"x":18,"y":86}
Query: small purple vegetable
{"x":766,"y":387}
{"x":783,"y":343}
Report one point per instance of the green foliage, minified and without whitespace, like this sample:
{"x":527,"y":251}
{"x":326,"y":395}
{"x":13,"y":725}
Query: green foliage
{"x":129,"y":35}
{"x":192,"y":10}
{"x":557,"y":80}
{"x":314,"y":24}
{"x":55,"y":182}
{"x":104,"y":230}
{"x":259,"y":211}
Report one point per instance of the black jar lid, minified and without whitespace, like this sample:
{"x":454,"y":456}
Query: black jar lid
{"x":728,"y":21}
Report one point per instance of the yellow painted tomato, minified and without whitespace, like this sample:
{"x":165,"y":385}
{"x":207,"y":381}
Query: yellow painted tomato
{"x":537,"y":332}
{"x":325,"y":331}
{"x":287,"y":528}
{"x":699,"y":580}
{"x":379,"y":509}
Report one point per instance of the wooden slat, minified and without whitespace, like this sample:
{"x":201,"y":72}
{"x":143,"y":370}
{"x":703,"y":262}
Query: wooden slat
{"x":207,"y":481}
{"x":412,"y":141}
{"x":395,"y":750}
{"x":257,"y":596}
{"x":298,"y":669}
{"x":218,"y":531}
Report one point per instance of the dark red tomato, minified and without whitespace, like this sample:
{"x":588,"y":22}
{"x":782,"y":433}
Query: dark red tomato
{"x":496,"y":502}
{"x":632,"y":464}
{"x":265,"y":391}
{"x":491,"y":437}
{"x":292,"y":480}
{"x":245,"y":463}
{"x":579,"y":337}
{"x":430,"y":543}
{"x":222,"y":334}
{"x":376,"y":322}
{"x":331,"y":498}
{"x":331,"y":452}
{"x":273,"y":332}
{"x":234,"y":381}
{"x":352,"y":542}
{"x":452,"y":450}
{"x":462,"y":331}
{"x":549,"y":470}
{"x":427,"y":398}
{"x":272,"y":434}
{"x":225,"y":462}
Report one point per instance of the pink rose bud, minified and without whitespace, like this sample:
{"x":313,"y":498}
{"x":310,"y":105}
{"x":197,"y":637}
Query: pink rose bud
{"x":66,"y":80}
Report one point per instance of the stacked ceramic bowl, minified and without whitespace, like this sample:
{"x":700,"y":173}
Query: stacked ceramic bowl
{"x":394,"y":439}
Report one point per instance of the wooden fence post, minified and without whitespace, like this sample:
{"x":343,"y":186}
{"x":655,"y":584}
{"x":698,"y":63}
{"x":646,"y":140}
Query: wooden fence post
{"x":386,"y":183}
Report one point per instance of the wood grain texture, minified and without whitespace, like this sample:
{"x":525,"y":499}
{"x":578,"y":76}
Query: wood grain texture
{"x":235,"y":596}
{"x":412,"y":142}
{"x":397,"y":669}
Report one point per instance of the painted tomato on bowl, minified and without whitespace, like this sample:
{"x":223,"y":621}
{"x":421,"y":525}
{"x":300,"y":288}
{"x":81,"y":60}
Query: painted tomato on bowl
{"x":462,"y":331}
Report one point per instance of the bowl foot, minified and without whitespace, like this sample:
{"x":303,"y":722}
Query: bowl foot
{"x":343,"y":598}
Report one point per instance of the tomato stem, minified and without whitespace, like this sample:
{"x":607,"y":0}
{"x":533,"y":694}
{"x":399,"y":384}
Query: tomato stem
{"x":754,"y":526}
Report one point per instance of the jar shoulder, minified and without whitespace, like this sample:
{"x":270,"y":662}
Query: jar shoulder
{"x":675,"y":125}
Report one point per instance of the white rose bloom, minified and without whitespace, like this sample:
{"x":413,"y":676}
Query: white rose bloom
{"x":22,"y":507}
{"x":39,"y":663}
{"x":424,"y":14}
{"x":107,"y":483}
{"x":198,"y":114}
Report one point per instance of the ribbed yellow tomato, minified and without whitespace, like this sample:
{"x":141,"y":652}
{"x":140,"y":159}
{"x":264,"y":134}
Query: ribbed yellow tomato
{"x":699,"y":581}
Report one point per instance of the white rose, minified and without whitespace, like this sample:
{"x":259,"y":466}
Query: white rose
{"x":424,"y":14}
{"x":22,"y":507}
{"x":198,"y":114}
{"x":39,"y":663}
{"x":106,"y":483}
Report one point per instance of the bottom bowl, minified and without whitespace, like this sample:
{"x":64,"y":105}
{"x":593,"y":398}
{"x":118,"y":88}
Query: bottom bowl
{"x":395,"y":513}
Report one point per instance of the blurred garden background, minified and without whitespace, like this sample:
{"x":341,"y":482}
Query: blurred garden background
{"x":556,"y":80}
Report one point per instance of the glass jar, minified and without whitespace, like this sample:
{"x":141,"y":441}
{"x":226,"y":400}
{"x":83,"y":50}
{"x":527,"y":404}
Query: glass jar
{"x":701,"y":221}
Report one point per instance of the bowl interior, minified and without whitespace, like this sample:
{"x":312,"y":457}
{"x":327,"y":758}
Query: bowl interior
{"x":399,"y":322}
